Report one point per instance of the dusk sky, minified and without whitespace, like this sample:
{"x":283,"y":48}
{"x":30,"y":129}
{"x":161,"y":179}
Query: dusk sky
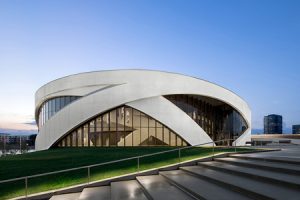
{"x":250,"y":47}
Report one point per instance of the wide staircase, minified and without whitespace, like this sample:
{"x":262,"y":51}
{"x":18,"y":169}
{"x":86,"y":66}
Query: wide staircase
{"x":235,"y":177}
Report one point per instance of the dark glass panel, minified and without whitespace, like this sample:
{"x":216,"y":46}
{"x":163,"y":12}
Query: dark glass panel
{"x":67,"y":100}
{"x":72,"y":98}
{"x":57,"y":104}
{"x":62,"y":102}
{"x":46,"y":111}
{"x":219,"y":120}
{"x":43,"y":115}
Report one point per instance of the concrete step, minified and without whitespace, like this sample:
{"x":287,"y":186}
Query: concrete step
{"x":247,"y":186}
{"x":278,"y":167}
{"x":95,"y":193}
{"x":282,"y":159}
{"x":125,"y":190}
{"x":158,"y":188}
{"x":200,"y":188}
{"x":71,"y":196}
{"x":282,"y":179}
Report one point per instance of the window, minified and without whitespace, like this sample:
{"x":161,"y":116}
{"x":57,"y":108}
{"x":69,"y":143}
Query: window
{"x":123,"y":126}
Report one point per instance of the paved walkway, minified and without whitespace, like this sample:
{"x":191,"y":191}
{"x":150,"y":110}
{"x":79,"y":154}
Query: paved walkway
{"x":287,"y":152}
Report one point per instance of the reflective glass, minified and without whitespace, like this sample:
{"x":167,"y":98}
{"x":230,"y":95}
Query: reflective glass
{"x":98,"y":124}
{"x":57,"y":105}
{"x":80,"y":138}
{"x":105,"y":122}
{"x":85,"y":135}
{"x":67,"y":100}
{"x":74,"y":139}
{"x":62,"y":102}
{"x":123,"y":127}
{"x":217,"y":119}
{"x":113,"y":120}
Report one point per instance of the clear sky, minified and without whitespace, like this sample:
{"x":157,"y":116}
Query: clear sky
{"x":250,"y":47}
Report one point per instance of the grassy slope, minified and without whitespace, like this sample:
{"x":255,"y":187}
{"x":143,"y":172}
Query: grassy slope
{"x":58,"y":159}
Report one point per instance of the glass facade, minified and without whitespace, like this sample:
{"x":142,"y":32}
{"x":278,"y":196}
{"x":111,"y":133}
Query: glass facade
{"x":273,"y":124}
{"x":219,"y":120}
{"x":52,"y":106}
{"x":296,"y":129}
{"x":122,"y":126}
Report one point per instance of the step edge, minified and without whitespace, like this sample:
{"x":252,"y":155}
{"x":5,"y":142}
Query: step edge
{"x":182,"y":188}
{"x":251,"y":165}
{"x":147,"y":194}
{"x":230,"y":186}
{"x":264,"y":159}
{"x":254,"y":176}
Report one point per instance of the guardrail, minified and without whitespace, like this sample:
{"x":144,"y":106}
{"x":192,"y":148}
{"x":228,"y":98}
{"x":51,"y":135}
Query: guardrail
{"x":88,"y":167}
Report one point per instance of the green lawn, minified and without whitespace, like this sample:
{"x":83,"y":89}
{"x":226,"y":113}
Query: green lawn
{"x":65,"y":158}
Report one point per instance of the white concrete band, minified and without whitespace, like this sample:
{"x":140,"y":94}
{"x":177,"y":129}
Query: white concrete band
{"x":141,"y":89}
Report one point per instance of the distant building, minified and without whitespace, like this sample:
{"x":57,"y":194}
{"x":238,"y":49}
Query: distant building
{"x":273,"y":124}
{"x":3,"y":137}
{"x":296,"y":129}
{"x":12,"y":139}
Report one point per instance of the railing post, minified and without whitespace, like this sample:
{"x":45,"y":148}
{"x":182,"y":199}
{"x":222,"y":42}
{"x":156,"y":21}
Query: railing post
{"x":138,"y":164}
{"x":89,"y":176}
{"x":26,"y":187}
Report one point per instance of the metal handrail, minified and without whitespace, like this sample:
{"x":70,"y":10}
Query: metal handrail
{"x":25,"y":178}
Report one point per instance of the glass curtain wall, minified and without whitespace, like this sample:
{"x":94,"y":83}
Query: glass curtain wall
{"x":123,"y":126}
{"x":52,"y":106}
{"x":219,"y":120}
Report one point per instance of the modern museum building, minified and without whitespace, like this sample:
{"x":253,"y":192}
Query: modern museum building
{"x":124,"y":108}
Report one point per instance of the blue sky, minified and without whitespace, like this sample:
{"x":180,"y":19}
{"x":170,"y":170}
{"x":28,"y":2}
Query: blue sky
{"x":250,"y":47}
